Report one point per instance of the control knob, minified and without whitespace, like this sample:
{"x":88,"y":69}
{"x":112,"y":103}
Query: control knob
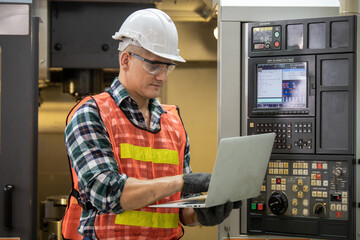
{"x":338,"y":171}
{"x":278,"y":203}
{"x":319,"y":209}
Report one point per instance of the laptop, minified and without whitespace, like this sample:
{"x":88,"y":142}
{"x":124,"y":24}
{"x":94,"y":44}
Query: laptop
{"x":238,"y":174}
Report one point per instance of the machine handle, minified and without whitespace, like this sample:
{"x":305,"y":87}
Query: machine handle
{"x":312,"y":86}
{"x":8,"y":202}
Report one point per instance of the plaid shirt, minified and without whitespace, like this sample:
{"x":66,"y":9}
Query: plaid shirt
{"x":89,"y":148}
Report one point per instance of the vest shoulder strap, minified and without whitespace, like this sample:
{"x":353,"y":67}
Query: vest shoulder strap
{"x":81,"y":102}
{"x":76,"y":107}
{"x":173,"y":109}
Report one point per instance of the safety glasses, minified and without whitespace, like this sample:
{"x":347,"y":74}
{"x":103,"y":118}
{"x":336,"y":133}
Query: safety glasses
{"x":155,"y":67}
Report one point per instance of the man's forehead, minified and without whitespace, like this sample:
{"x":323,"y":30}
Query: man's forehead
{"x":147,"y":54}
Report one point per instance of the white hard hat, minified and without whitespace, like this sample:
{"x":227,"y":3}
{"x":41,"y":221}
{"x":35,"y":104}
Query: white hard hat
{"x":153,"y":30}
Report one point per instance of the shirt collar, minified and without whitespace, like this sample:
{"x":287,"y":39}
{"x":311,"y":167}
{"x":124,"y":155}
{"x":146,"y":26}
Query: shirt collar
{"x":119,"y":94}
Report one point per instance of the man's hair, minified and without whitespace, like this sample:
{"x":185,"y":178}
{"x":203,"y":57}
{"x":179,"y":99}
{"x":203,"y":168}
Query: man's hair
{"x":133,"y":49}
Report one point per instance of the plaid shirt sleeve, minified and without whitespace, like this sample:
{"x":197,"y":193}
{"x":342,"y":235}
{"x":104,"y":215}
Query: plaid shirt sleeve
{"x":92,"y":158}
{"x":187,"y":168}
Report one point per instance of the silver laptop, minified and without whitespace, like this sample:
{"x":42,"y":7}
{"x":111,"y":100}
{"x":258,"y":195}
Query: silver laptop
{"x":238,"y":173}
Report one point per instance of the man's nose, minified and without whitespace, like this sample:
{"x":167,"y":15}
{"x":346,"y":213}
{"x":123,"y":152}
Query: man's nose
{"x":162,"y":76}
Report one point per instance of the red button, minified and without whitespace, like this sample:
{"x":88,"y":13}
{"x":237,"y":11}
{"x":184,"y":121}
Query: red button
{"x":276,"y":44}
{"x":318,"y":176}
{"x":260,"y":206}
{"x":319,"y":166}
{"x":338,"y":214}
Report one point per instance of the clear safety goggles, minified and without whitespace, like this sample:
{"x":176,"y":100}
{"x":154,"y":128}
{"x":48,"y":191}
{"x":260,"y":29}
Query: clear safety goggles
{"x":155,"y":67}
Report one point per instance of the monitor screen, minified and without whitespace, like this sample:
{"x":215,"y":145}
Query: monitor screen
{"x":281,"y":85}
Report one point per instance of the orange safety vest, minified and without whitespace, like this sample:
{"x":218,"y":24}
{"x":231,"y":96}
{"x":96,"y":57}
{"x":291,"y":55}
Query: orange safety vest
{"x":140,"y":154}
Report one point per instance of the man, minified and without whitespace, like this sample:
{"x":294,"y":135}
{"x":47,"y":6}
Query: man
{"x":127,"y":151}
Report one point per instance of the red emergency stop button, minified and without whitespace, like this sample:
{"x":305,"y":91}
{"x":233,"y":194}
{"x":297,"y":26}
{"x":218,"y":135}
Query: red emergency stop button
{"x":260,"y":206}
{"x":276,"y":44}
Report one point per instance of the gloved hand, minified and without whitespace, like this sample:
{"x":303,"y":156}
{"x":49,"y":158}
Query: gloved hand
{"x":237,"y":204}
{"x":196,"y":182}
{"x":215,"y":215}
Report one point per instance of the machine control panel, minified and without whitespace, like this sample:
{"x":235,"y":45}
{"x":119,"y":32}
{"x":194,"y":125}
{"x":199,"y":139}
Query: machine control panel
{"x":296,"y":89}
{"x":266,"y":38}
{"x":293,"y":135}
{"x":305,"y":189}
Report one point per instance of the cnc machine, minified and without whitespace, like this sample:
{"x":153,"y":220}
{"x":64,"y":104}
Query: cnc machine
{"x":296,"y":77}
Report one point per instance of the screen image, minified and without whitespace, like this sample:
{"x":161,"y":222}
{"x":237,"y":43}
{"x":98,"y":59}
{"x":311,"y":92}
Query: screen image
{"x":282,"y":85}
{"x":262,"y":34}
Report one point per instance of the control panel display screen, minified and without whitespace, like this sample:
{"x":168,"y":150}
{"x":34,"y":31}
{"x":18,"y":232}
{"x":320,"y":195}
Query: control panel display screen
{"x":282,"y":85}
{"x":335,"y":197}
{"x":262,"y":34}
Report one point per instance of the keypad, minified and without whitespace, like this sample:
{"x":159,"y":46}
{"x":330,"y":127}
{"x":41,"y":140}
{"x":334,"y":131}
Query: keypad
{"x":292,"y":136}
{"x":303,"y":127}
{"x":283,"y":132}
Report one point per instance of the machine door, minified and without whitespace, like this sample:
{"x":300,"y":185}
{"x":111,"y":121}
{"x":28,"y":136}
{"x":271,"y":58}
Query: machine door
{"x":18,"y":121}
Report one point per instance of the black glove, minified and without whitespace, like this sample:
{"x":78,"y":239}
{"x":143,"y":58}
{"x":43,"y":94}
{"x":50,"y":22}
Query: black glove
{"x":237,"y":204}
{"x":215,"y":215}
{"x":196,"y":182}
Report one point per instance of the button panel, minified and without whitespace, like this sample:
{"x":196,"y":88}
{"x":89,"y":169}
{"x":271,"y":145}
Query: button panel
{"x":292,"y":135}
{"x":296,"y":188}
{"x":266,"y":38}
{"x":311,"y":189}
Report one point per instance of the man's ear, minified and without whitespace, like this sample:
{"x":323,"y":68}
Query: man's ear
{"x":124,"y":61}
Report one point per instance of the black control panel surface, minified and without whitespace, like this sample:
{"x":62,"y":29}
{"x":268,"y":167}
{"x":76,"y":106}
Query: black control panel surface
{"x":304,"y":90}
{"x":306,"y":190}
{"x":302,"y":36}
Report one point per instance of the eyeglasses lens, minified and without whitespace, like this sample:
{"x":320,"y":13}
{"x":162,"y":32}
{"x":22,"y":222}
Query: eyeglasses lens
{"x":170,"y":68}
{"x":156,"y":69}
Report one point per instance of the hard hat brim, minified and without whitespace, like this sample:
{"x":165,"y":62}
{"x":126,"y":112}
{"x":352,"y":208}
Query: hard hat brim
{"x":168,"y":56}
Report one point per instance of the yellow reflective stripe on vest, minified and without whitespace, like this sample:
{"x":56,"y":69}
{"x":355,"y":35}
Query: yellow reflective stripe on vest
{"x":148,"y":154}
{"x":148,"y":219}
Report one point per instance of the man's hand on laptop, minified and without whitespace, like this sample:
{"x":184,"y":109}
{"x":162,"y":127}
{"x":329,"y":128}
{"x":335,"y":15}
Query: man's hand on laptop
{"x":196,"y":182}
{"x":215,"y":215}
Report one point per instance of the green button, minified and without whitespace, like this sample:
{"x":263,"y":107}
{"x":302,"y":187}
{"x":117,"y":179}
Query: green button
{"x":276,"y":34}
{"x":253,"y":206}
